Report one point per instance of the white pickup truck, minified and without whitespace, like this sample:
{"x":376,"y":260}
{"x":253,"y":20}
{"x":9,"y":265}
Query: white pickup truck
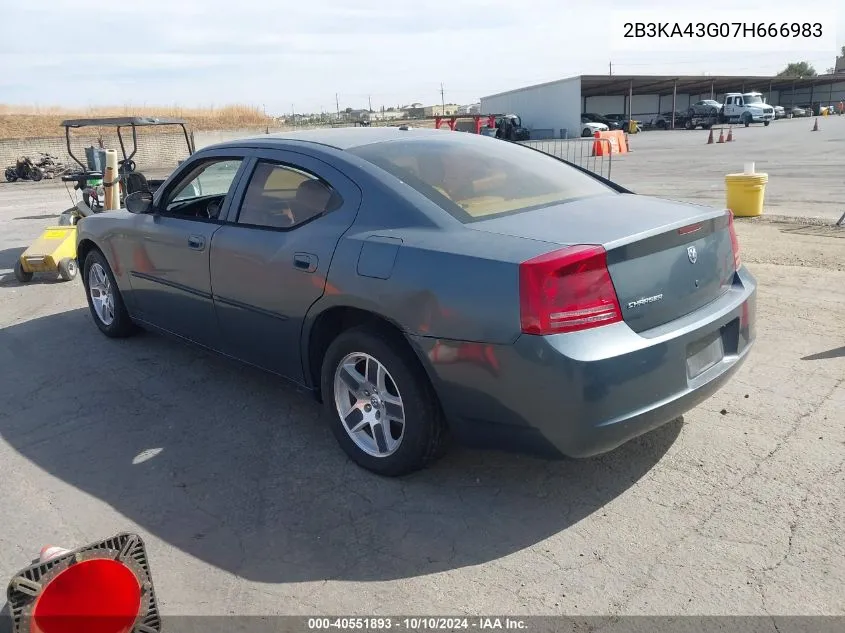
{"x":746,"y":108}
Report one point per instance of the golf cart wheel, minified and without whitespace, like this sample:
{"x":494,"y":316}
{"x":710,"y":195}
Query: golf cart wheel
{"x":104,"y":298}
{"x":68,"y":269}
{"x":11,"y":174}
{"x":36,"y":174}
{"x":379,"y":403}
{"x":20,"y":274}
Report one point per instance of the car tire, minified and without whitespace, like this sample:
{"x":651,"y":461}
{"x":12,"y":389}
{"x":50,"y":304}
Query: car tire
{"x":114,"y":323}
{"x":746,"y":120}
{"x":422,"y":437}
{"x":688,"y":125}
{"x":766,"y":123}
{"x":20,"y":274}
{"x":68,"y":269}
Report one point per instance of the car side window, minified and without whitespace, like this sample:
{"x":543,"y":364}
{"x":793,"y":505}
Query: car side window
{"x":202,"y":191}
{"x":282,"y":196}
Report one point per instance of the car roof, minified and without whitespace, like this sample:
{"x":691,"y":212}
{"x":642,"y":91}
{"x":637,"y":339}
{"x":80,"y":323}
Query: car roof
{"x":339,"y":138}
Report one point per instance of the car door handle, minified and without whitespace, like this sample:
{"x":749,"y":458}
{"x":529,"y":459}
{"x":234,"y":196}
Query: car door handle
{"x":305,"y":262}
{"x":196,"y":242}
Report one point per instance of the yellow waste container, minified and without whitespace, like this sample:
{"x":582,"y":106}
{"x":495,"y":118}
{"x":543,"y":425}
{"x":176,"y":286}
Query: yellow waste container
{"x":745,"y":193}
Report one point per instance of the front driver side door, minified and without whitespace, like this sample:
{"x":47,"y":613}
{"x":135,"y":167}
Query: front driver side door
{"x":169,"y":273}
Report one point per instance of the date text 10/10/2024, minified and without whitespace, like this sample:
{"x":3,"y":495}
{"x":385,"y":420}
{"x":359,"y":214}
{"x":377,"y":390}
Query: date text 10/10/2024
{"x":417,"y":624}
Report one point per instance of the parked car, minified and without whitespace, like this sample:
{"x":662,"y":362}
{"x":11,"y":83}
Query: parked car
{"x":705,"y":107}
{"x":624,"y":121}
{"x":664,"y":121}
{"x":780,"y":112}
{"x":427,"y":285}
{"x":598,"y":118}
{"x":589,"y":127}
{"x":797,"y":111}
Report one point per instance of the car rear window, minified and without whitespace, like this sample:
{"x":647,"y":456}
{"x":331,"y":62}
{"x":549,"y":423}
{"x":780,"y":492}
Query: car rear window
{"x":478,"y":177}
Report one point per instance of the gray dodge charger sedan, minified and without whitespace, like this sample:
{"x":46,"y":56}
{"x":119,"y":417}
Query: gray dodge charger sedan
{"x":429,"y":284}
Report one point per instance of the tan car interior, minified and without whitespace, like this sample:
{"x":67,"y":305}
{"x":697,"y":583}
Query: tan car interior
{"x":280,"y":197}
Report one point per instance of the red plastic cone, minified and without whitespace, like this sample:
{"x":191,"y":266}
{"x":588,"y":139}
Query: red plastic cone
{"x":710,"y":138}
{"x":730,"y":135}
{"x":816,"y":126}
{"x":721,"y":136}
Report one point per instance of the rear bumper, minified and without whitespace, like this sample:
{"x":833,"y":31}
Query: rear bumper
{"x":587,"y":393}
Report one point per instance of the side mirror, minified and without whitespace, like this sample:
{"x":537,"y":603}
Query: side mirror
{"x":139,"y":202}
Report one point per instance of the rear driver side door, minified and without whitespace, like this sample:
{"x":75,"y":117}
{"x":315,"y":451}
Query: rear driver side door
{"x":267,"y":271}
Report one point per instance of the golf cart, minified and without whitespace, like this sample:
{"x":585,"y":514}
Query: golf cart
{"x":509,"y":127}
{"x":90,"y":179}
{"x":55,"y":250}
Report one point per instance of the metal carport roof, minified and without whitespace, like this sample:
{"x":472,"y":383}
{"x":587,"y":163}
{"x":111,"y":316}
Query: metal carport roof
{"x":602,"y":85}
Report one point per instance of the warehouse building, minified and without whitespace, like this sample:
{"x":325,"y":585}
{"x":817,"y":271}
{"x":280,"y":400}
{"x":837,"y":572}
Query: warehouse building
{"x":553,"y":109}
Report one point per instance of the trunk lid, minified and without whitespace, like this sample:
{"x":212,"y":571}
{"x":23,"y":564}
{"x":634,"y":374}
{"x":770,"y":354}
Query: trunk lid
{"x":666,"y":259}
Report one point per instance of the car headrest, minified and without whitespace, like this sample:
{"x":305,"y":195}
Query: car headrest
{"x":314,"y":195}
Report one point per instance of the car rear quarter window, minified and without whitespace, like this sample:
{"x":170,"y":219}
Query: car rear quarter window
{"x":479,"y":178}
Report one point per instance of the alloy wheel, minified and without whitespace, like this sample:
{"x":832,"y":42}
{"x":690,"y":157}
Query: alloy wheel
{"x":101,"y":293}
{"x":369,"y":404}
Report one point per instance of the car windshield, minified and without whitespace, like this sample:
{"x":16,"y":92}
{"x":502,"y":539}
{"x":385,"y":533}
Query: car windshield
{"x":752,"y":99}
{"x":478,"y":177}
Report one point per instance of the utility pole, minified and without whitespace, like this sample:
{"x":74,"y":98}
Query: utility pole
{"x":293,"y":114}
{"x":442,"y":99}
{"x":370,"y":101}
{"x":610,"y":68}
{"x":337,"y":105}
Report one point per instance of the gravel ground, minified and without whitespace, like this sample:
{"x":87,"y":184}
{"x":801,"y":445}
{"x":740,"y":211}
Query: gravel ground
{"x":248,"y":506}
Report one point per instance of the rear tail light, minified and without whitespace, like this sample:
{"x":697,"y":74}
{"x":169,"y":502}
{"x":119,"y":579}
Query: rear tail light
{"x":567,"y":290}
{"x":734,"y":240}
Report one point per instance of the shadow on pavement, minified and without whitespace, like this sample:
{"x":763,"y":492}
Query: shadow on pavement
{"x":233,"y":466}
{"x":8,"y":256}
{"x":838,"y":352}
{"x":47,"y":216}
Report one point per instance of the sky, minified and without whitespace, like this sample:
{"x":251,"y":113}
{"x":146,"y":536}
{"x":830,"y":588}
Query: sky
{"x":311,"y":56}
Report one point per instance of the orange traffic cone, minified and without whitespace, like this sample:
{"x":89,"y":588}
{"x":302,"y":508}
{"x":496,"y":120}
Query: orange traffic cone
{"x":730,"y":135}
{"x":816,"y":126}
{"x":710,"y":138}
{"x":721,"y":136}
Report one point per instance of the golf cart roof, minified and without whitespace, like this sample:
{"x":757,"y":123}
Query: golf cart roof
{"x":121,"y":121}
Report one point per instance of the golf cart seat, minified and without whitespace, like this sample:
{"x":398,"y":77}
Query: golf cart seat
{"x":135,"y":181}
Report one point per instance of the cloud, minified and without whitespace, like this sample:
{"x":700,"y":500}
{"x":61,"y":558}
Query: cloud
{"x":279,"y":53}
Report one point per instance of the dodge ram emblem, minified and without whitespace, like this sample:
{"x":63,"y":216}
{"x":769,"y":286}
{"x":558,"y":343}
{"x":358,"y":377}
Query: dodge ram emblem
{"x":692,"y":254}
